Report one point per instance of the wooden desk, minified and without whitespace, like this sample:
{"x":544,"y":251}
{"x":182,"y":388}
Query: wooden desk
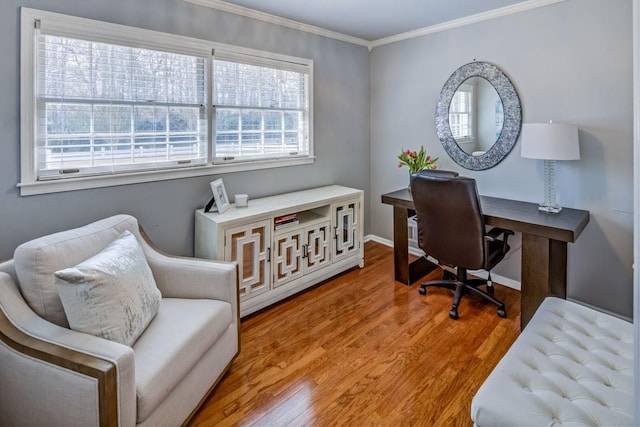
{"x":544,"y":244}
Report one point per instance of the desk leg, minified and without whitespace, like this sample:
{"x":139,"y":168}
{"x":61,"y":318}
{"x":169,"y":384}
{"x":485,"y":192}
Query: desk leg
{"x":400,"y":245}
{"x":544,"y":273}
{"x":404,"y":271}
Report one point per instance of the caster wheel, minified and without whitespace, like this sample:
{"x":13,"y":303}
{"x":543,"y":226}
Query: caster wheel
{"x":453,"y":314}
{"x":422,"y":291}
{"x":502,"y":313}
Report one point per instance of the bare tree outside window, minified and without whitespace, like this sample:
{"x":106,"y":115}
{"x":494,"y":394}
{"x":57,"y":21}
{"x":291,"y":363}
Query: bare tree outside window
{"x":260,"y":111}
{"x":117,"y":107}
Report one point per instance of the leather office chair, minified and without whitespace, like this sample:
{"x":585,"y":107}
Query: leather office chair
{"x":451,"y":229}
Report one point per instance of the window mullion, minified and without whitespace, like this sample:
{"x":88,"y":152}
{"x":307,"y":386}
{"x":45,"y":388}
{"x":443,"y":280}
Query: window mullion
{"x":240,"y":132}
{"x":283,"y":132}
{"x":262,"y":129}
{"x":167,"y":138}
{"x":92,"y":135}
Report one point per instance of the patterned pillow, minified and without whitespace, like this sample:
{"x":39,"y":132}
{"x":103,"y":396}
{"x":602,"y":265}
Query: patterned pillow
{"x":112,"y":294}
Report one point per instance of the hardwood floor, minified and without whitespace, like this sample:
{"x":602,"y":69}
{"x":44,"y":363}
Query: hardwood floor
{"x":363,"y":350}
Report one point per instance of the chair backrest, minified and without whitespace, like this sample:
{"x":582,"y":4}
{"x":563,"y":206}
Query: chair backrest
{"x":36,"y":261}
{"x":450,"y":222}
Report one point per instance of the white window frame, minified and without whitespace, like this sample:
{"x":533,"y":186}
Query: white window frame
{"x":302,"y":67}
{"x":75,"y":27}
{"x":470,"y":89}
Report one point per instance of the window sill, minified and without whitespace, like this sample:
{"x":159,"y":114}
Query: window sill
{"x":87,"y":182}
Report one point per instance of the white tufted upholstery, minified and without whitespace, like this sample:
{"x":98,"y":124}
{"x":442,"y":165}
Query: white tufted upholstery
{"x":572,"y":365}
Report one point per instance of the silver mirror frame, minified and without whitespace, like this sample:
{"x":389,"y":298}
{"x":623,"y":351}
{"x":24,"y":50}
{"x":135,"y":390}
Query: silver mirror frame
{"x":512,"y":116}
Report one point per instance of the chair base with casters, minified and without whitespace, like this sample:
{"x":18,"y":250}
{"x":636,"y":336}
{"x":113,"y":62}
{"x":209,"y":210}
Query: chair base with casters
{"x":462,"y":285}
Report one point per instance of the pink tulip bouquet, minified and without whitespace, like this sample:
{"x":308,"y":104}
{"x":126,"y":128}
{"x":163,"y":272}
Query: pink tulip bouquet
{"x":416,"y":161}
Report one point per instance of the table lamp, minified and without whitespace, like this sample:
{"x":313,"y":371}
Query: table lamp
{"x":550,"y":142}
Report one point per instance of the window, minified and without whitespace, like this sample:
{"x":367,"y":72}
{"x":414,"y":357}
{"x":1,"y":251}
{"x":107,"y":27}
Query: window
{"x":105,"y":104}
{"x":460,"y":112}
{"x":261,"y":109}
{"x":106,"y":108}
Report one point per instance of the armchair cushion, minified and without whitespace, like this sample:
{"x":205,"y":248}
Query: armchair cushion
{"x":175,"y":341}
{"x":112,"y":294}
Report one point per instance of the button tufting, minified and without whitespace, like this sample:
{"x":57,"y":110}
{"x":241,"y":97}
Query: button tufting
{"x":569,"y":373}
{"x":574,"y":358}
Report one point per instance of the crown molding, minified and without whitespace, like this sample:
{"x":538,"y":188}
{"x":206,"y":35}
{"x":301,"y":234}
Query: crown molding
{"x":455,"y":23}
{"x":472,"y":19}
{"x":273,"y":19}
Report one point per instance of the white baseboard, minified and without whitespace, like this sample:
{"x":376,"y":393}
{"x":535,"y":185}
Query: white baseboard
{"x":626,"y":318}
{"x":505,"y":281}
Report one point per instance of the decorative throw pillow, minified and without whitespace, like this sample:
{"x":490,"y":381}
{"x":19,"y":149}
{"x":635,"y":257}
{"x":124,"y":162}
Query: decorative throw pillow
{"x":112,"y":294}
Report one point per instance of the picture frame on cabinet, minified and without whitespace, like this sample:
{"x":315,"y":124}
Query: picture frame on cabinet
{"x":219,"y":196}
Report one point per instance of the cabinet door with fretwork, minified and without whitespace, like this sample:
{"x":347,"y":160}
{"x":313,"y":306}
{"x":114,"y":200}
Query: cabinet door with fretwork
{"x":346,"y":217}
{"x":248,"y":245}
{"x":317,"y":248}
{"x":288,"y":250}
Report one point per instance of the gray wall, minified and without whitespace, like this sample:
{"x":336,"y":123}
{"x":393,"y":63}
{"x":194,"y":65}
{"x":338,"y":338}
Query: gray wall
{"x":166,"y":208}
{"x":570,"y":62}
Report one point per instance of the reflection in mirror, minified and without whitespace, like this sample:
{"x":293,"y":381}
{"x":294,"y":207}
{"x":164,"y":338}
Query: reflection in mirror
{"x":476,"y":116}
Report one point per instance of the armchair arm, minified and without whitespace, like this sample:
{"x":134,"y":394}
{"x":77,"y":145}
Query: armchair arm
{"x":64,"y":356}
{"x":183,"y":277}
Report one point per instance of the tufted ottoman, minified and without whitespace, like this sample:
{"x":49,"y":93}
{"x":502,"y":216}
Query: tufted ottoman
{"x":572,"y":365}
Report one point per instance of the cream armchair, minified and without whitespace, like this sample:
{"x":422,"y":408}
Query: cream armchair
{"x":52,"y":375}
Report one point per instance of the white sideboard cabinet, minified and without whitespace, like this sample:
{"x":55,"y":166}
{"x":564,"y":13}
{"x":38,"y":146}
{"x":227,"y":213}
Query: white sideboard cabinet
{"x":274,"y":261}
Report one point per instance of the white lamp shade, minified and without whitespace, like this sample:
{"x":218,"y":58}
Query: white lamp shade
{"x":550,"y":141}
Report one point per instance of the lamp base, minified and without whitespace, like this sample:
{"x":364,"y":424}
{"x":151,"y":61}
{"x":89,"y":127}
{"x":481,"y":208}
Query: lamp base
{"x":549,"y":209}
{"x":549,"y":205}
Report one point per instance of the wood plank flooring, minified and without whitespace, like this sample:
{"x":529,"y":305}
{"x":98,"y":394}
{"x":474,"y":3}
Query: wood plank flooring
{"x":363,"y":350}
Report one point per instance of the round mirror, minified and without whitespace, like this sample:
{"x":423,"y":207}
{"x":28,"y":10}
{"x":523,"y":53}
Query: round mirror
{"x":478,"y":117}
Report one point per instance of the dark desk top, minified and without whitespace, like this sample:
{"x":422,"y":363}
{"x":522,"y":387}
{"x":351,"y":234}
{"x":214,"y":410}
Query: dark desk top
{"x":515,"y":215}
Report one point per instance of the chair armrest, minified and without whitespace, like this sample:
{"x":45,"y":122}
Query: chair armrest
{"x":493,"y":235}
{"x":495,"y":232}
{"x":111,"y":364}
{"x":183,"y":277}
